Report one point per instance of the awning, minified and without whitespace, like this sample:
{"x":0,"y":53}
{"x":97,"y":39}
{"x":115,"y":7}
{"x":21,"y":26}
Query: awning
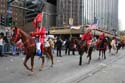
{"x":64,"y":31}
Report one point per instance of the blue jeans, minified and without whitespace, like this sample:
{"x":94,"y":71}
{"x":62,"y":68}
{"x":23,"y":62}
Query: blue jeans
{"x":14,"y":49}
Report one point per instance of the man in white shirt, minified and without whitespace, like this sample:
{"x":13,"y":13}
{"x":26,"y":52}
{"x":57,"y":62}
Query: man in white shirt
{"x":1,"y":45}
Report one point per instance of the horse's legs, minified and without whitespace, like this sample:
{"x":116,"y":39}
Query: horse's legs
{"x":80,"y":60}
{"x":42,"y":65}
{"x":25,"y":62}
{"x":89,"y":54}
{"x":99,"y":54}
{"x":32,"y":62}
{"x":104,"y":54}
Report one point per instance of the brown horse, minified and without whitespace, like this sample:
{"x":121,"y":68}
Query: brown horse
{"x":30,"y":48}
{"x":102,"y":46}
{"x":83,"y":48}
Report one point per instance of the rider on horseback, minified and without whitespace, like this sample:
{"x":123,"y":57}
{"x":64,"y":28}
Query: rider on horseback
{"x":87,"y":37}
{"x":40,"y":31}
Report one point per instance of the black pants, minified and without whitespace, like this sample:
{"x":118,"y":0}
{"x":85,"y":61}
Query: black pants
{"x":59,"y":52}
{"x":1,"y":47}
{"x":67,"y":50}
{"x":73,"y":51}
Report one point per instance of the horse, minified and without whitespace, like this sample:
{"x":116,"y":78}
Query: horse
{"x":30,"y":48}
{"x":102,"y":46}
{"x":83,"y":48}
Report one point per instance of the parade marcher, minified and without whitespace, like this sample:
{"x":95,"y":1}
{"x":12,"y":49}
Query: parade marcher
{"x":40,"y":31}
{"x":101,"y":39}
{"x":87,"y":37}
{"x":102,"y":36}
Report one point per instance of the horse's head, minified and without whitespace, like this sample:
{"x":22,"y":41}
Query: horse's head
{"x":15,"y":35}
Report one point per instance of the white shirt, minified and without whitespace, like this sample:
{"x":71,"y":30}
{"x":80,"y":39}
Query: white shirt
{"x":1,"y":41}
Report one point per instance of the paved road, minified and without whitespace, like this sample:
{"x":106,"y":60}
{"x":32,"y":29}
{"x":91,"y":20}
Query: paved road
{"x":65,"y":70}
{"x":112,"y":73}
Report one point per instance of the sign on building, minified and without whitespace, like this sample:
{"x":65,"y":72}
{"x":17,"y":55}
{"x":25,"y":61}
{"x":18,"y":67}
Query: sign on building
{"x":70,"y":21}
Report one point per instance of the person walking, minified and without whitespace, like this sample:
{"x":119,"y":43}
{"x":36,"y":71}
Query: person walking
{"x":59,"y":47}
{"x":1,"y":45}
{"x":67,"y":47}
{"x":51,"y":42}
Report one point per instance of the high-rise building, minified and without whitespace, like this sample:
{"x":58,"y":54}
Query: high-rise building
{"x":84,"y":12}
{"x":68,"y":9}
{"x":104,"y":11}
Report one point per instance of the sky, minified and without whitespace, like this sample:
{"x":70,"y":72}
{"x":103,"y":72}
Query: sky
{"x":121,"y":14}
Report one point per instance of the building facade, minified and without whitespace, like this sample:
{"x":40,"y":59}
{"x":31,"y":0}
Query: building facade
{"x":66,"y":10}
{"x":24,"y":11}
{"x":104,"y":11}
{"x":84,"y":12}
{"x":18,"y":13}
{"x":3,"y":12}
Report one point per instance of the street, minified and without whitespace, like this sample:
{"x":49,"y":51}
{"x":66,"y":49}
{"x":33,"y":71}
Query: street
{"x":65,"y":70}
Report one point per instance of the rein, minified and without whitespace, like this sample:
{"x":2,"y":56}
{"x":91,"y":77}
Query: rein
{"x":17,"y":35}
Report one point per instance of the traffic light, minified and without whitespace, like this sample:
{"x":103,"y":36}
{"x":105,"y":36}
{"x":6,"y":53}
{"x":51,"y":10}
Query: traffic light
{"x":3,"y":21}
{"x":9,"y":21}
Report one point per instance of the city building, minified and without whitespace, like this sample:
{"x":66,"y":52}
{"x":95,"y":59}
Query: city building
{"x":3,"y":7}
{"x":104,"y":12}
{"x":84,"y":12}
{"x":68,"y":10}
{"x":18,"y":13}
{"x":24,"y":11}
{"x":3,"y":12}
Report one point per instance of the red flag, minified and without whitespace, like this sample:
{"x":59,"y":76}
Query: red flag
{"x":37,"y":20}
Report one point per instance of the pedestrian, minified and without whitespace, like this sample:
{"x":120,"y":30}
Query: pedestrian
{"x":87,"y":37}
{"x":1,"y":45}
{"x":59,"y":47}
{"x":67,"y":47}
{"x":51,"y":42}
{"x":73,"y":46}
